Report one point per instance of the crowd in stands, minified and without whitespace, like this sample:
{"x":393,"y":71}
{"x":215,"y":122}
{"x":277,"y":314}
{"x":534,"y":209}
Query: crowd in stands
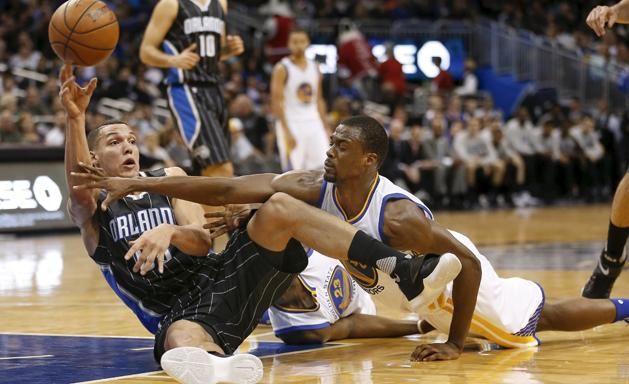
{"x":456,"y":150}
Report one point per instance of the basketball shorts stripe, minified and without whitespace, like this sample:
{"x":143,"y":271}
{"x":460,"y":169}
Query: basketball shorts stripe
{"x":199,"y":114}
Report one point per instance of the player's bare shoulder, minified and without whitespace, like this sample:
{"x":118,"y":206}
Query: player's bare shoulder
{"x":303,"y":185}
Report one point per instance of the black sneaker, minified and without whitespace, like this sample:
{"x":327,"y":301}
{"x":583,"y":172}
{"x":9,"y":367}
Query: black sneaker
{"x":423,"y":276}
{"x":602,"y":280}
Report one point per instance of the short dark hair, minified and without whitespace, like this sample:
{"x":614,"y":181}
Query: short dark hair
{"x":92,"y":134}
{"x":372,"y":135}
{"x":299,"y":30}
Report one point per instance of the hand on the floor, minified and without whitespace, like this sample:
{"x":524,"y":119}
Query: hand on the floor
{"x":436,"y":351}
{"x":152,"y":245}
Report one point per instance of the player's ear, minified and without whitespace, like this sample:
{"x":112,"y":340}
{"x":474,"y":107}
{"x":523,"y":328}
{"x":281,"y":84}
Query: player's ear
{"x":371,"y":159}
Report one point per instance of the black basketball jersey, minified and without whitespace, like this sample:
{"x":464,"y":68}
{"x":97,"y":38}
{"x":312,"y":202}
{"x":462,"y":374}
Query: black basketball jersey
{"x":203,"y":25}
{"x":152,"y":295}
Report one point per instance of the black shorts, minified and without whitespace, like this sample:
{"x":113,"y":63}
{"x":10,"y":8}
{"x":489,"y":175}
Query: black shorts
{"x":200,"y":114}
{"x":228,"y":296}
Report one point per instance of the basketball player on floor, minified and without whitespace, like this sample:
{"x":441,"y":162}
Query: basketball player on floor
{"x":612,"y":258}
{"x":192,"y":37}
{"x":324,"y":304}
{"x":508,"y":311}
{"x":351,"y":189}
{"x":299,"y":108}
{"x":153,"y":252}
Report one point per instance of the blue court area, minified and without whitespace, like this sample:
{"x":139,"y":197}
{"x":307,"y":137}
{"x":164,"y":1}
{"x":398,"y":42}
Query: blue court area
{"x":69,"y":359}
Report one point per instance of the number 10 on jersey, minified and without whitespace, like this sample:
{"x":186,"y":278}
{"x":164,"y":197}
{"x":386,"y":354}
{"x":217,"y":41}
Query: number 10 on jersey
{"x":207,"y":46}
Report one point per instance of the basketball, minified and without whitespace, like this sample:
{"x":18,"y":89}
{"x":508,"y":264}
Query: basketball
{"x":83,"y":32}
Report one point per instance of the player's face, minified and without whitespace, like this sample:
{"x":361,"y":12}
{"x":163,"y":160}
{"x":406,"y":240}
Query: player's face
{"x":116,"y":151}
{"x":346,"y":158}
{"x":298,"y":42}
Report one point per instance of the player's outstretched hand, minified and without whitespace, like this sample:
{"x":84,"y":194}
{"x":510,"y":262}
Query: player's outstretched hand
{"x":153,"y":244}
{"x":94,"y":178}
{"x":74,"y":98}
{"x":228,"y":220}
{"x":435,"y":352}
{"x":601,"y":15}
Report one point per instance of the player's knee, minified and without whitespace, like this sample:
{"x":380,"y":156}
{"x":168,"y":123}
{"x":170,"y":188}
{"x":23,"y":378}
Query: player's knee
{"x":547,"y":319}
{"x":304,"y":337}
{"x":279,"y":207}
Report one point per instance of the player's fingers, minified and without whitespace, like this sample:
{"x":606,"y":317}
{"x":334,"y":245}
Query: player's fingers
{"x":160,"y":262}
{"x":149,"y":262}
{"x":87,"y":168}
{"x":218,"y":232}
{"x":91,"y":86}
{"x":217,"y":228}
{"x":600,"y":22}
{"x":434,"y":357}
{"x":134,"y":248}
{"x":84,"y":176}
{"x":68,"y":82}
{"x":108,"y":199}
{"x":612,"y":19}
{"x":425,"y":351}
{"x":66,"y":71}
{"x":139,"y":261}
{"x":190,"y":48}
{"x":215,"y":224}
{"x":209,"y":215}
{"x":592,"y":21}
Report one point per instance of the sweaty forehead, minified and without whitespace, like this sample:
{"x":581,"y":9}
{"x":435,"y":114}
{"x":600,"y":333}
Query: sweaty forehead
{"x":347,"y":132}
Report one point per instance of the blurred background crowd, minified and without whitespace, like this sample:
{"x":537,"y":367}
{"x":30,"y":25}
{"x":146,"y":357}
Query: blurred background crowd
{"x":452,"y":146}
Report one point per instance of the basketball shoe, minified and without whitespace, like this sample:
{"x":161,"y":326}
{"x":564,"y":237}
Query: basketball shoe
{"x":605,"y":274}
{"x":424,"y":277}
{"x":191,"y":365}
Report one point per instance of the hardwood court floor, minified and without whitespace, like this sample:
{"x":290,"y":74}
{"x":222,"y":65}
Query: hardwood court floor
{"x":48,"y":285}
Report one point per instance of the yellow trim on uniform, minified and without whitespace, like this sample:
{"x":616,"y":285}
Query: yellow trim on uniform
{"x":490,"y":331}
{"x":313,"y":293}
{"x":365,"y":204}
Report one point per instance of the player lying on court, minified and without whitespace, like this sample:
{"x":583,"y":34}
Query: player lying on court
{"x":210,"y":302}
{"x":508,"y":311}
{"x":324,"y":304}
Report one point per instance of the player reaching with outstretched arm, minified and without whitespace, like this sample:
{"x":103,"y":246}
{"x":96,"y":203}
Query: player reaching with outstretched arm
{"x":193,"y":300}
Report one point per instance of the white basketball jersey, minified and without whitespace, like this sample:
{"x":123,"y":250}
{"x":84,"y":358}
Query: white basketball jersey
{"x":371,"y":221}
{"x":300,"y":91}
{"x":334,"y":291}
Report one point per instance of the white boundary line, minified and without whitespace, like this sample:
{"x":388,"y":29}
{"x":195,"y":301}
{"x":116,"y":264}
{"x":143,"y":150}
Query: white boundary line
{"x":119,"y":377}
{"x":25,"y":357}
{"x":74,"y":335}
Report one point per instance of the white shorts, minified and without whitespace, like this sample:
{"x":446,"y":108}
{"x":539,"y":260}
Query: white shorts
{"x":311,"y":144}
{"x":335,"y":293}
{"x":507,"y":310}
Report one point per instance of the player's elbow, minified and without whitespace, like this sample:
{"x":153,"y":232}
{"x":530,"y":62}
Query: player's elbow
{"x":145,"y":54}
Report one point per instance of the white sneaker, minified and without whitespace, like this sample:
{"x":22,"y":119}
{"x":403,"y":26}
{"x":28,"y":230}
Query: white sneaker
{"x":191,"y":365}
{"x":434,"y":284}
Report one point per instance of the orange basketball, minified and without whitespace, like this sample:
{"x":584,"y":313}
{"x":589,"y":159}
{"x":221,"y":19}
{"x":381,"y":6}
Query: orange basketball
{"x":83,"y":32}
